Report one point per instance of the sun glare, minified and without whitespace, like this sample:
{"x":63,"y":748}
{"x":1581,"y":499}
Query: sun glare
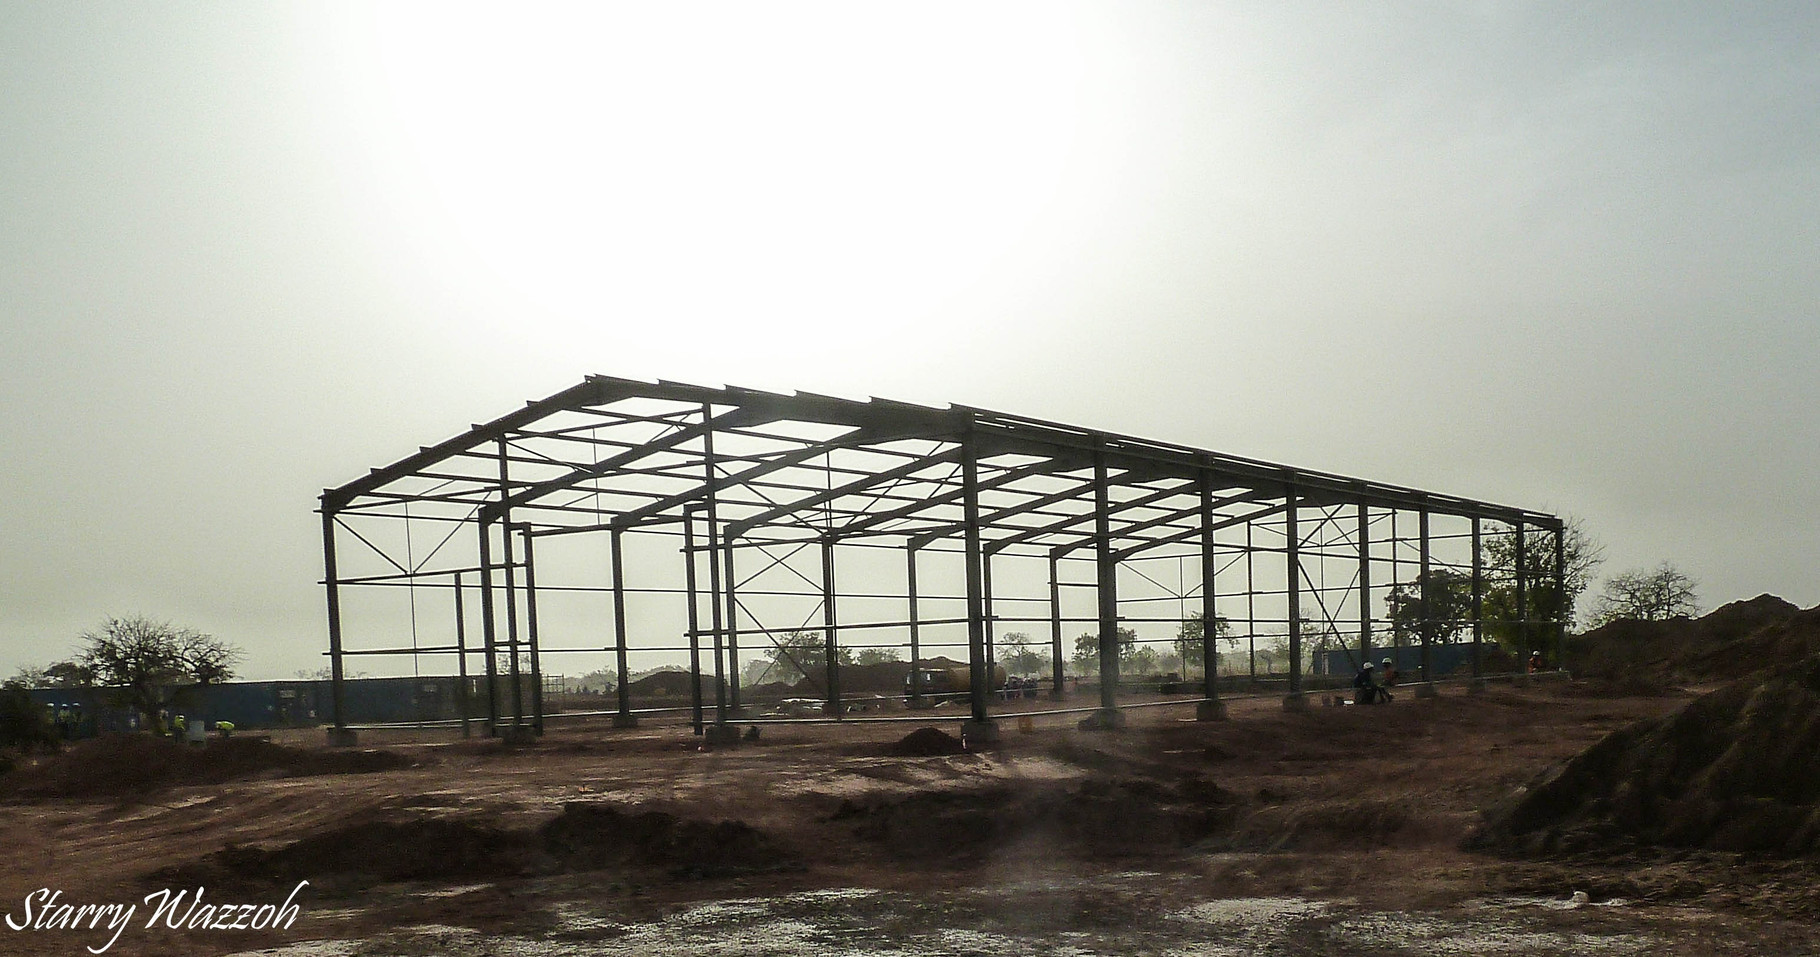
{"x":780,"y":164}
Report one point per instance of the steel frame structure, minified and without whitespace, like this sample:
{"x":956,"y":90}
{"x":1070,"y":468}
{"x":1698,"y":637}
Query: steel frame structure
{"x":748,"y":486}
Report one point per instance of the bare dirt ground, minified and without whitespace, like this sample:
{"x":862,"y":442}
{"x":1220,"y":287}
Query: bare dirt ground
{"x":1334,"y":830}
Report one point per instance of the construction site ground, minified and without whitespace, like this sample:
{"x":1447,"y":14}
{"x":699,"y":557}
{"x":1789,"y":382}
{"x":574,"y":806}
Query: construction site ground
{"x":1331,"y":830}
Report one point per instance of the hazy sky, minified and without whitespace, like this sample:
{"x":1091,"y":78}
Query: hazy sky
{"x":1556,"y":255}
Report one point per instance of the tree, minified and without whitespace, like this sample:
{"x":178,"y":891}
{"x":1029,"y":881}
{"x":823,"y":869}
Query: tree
{"x":1274,"y":651}
{"x":877,"y":656}
{"x":1434,"y":607}
{"x":1190,"y":639}
{"x":1581,"y":556}
{"x":1087,"y":648}
{"x":150,"y":665}
{"x":1143,"y":661}
{"x":57,"y":674}
{"x":803,"y":654}
{"x":756,"y":672}
{"x":1020,"y":655}
{"x":600,"y":680}
{"x":1658,"y":595}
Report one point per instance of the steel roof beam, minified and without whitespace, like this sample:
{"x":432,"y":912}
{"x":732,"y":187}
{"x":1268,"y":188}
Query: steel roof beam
{"x":1195,"y":532}
{"x":856,"y":438}
{"x":999,"y":545}
{"x":950,"y":497}
{"x":740,"y":526}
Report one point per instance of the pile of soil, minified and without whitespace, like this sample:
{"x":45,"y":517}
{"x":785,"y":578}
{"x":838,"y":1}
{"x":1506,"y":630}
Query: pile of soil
{"x":927,"y":743}
{"x":1099,"y":817}
{"x":584,"y":837}
{"x":423,"y":848}
{"x":119,"y":765}
{"x":594,"y":836}
{"x":1731,"y":642}
{"x":884,"y":678}
{"x":1736,"y":770}
{"x":669,"y":684}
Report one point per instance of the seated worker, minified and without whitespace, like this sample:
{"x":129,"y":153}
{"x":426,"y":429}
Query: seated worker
{"x":1365,"y":686}
{"x":1387,"y":679}
{"x":1535,"y":662}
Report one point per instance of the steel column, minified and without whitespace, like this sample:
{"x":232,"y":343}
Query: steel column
{"x":1057,"y":661}
{"x":980,"y":679}
{"x":1106,"y":568}
{"x":1210,"y":658}
{"x":916,"y":639}
{"x":830,"y":632}
{"x":505,"y":547}
{"x":1523,"y":644}
{"x":694,"y":620}
{"x":1478,"y":596}
{"x":531,"y":634}
{"x":1251,"y":607}
{"x":1293,"y":564}
{"x":1561,"y":611}
{"x":1365,"y":583}
{"x":337,"y":694}
{"x":1424,"y":610}
{"x":709,"y":482}
{"x":489,"y":628}
{"x":461,"y":657}
{"x":622,"y":684}
{"x":732,"y":629}
{"x":511,"y":569}
{"x":986,"y":604}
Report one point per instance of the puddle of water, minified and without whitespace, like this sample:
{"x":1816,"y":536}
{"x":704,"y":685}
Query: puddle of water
{"x":1251,"y":911}
{"x":995,"y":922}
{"x":1474,"y":936}
{"x":307,"y":948}
{"x":455,"y":891}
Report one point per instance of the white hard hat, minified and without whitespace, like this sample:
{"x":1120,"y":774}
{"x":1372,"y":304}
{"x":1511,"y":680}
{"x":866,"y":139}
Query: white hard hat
{"x":1386,"y":661}
{"x":1367,"y":664}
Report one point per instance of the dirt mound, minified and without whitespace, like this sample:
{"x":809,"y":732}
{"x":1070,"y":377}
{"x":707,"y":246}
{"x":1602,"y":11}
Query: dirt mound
{"x":1729,"y":643}
{"x":883,"y":678}
{"x":430,"y":847}
{"x":424,"y":848}
{"x":131,"y":764}
{"x":669,"y":684}
{"x":593,"y":836}
{"x":1735,"y":770}
{"x":1098,"y":817}
{"x":927,"y":743}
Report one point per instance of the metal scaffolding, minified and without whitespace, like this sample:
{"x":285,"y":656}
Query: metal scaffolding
{"x":877,"y":524}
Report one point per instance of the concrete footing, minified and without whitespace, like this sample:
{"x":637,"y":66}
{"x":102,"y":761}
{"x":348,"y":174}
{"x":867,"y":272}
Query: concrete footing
{"x":1295,"y":701}
{"x":625,"y":721}
{"x":517,"y":734}
{"x":343,"y":738}
{"x":720,"y":736}
{"x":1427,"y":689}
{"x":978,"y":734}
{"x":1211,"y":709}
{"x":1105,"y":719}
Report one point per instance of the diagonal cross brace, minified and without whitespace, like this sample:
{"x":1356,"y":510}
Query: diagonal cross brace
{"x":730,"y":420}
{"x":867,"y":435}
{"x":741,"y":526}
